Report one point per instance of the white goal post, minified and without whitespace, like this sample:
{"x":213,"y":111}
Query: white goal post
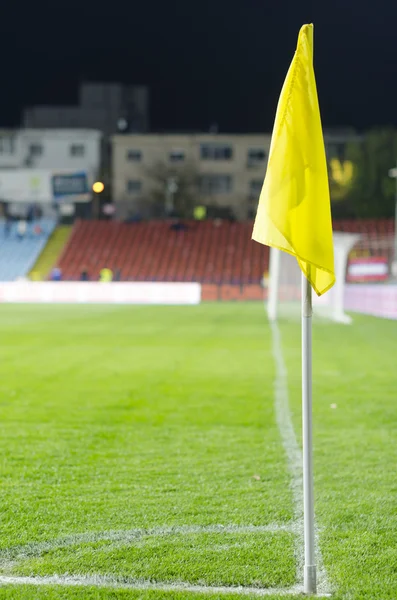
{"x":284,"y":283}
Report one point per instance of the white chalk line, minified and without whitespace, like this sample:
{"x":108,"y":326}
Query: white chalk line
{"x":103,"y":581}
{"x":294,"y":459}
{"x":123,"y":537}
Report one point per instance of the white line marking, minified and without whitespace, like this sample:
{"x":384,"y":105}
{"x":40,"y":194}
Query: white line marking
{"x":294,"y":459}
{"x":101,"y":581}
{"x":34,"y":549}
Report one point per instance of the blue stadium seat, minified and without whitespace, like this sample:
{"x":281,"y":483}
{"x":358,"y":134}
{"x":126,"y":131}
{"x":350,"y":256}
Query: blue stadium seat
{"x":17,"y":257}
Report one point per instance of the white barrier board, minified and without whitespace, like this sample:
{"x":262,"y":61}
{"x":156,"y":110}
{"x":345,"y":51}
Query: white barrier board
{"x":100,"y":293}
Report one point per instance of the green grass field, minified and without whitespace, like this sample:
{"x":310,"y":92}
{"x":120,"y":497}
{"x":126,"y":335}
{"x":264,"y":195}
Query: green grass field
{"x":140,"y":445}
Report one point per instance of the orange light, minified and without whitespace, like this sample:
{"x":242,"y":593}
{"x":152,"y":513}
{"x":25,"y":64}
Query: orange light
{"x":98,"y":187}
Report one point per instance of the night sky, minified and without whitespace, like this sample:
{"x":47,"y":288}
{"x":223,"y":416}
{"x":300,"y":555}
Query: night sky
{"x":222,"y":61}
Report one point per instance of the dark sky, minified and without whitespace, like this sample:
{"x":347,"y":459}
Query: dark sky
{"x":205,"y":61}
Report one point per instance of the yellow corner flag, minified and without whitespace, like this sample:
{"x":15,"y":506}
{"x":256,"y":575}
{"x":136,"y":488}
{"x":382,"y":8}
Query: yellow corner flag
{"x":294,"y":211}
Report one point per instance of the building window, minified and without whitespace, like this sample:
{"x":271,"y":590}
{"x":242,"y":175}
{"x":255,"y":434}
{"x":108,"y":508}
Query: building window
{"x":212,"y":151}
{"x":177,"y":156}
{"x":256,"y":156}
{"x":35,"y":149}
{"x":216,"y":184}
{"x":77,"y":150}
{"x":255,"y":187}
{"x":134,"y":186}
{"x":134,"y":155}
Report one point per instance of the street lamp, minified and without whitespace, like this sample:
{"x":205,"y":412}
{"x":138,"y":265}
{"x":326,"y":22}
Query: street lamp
{"x":393,"y":174}
{"x":97,"y":188}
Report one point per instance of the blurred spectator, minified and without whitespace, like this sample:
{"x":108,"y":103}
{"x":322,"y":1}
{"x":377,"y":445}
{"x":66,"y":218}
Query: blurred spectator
{"x":84,"y":275}
{"x":200,"y":213}
{"x":37,"y":230}
{"x":7,"y":217}
{"x":7,"y":226}
{"x":106,"y":275}
{"x":178,"y":225}
{"x":56,"y":274}
{"x":21,"y":229}
{"x":109,"y":210}
{"x":30,"y":213}
{"x":134,"y":218}
{"x":117,"y":275}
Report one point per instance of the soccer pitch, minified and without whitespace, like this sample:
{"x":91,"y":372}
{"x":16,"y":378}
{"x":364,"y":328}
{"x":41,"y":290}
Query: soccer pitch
{"x":147,"y":453}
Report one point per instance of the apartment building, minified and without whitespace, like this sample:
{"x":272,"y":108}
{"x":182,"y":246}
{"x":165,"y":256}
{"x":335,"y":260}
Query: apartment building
{"x":229,"y":169}
{"x":51,"y":149}
{"x":50,"y":166}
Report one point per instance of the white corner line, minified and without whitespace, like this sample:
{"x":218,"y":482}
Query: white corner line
{"x":103,"y":581}
{"x":118,"y":538}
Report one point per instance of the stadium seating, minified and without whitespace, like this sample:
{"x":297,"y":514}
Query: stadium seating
{"x":18,"y":256}
{"x":207,"y":252}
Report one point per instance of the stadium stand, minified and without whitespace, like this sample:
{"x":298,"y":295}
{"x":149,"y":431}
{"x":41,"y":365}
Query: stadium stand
{"x":212,"y":252}
{"x":208,"y":251}
{"x":50,"y":254}
{"x":17,"y":256}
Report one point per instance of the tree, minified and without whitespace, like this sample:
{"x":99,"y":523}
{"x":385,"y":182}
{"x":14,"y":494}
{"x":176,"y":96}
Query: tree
{"x":172,"y":189}
{"x":371,"y":193}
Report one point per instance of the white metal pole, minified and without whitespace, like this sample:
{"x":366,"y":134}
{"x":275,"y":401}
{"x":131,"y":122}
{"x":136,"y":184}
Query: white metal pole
{"x":395,"y":224}
{"x":393,"y":173}
{"x":310,"y":584}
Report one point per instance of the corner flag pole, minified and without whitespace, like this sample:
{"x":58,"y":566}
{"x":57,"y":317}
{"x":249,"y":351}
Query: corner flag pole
{"x":294,"y":216}
{"x":310,"y":584}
